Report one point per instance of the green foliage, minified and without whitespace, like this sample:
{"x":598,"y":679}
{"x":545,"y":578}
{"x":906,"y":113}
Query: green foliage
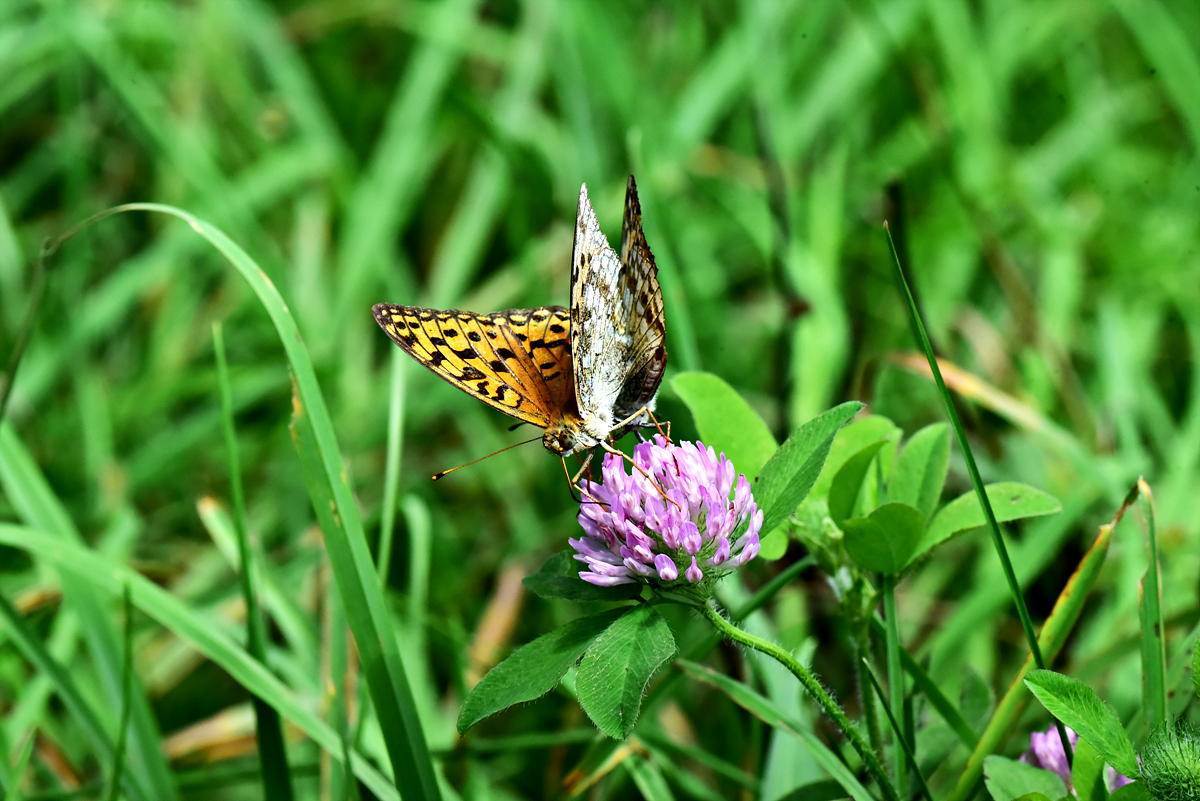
{"x":616,"y":668}
{"x":1087,"y":773}
{"x":534,"y":669}
{"x":1035,"y":162}
{"x":790,"y":473}
{"x":848,"y":482}
{"x":1078,"y":706}
{"x":920,"y":470}
{"x":1010,"y":501}
{"x":883,"y":540}
{"x":725,"y":422}
{"x":1171,"y":763}
{"x":559,"y":578}
{"x":1007,"y":779}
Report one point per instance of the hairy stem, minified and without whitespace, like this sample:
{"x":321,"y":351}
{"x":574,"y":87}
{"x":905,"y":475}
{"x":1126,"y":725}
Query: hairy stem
{"x":814,"y":689}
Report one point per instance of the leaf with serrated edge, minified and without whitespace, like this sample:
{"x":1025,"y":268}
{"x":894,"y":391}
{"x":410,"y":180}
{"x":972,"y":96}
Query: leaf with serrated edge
{"x":1010,"y":501}
{"x":788,"y":477}
{"x":533,"y":669}
{"x":616,"y":668}
{"x":1078,"y":706}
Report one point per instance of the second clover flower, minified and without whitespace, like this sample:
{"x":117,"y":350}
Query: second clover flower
{"x":680,"y":518}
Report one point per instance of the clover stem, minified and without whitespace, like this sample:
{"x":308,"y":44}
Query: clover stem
{"x":814,"y":688}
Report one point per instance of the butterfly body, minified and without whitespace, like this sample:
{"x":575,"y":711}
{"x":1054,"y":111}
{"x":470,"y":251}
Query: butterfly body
{"x":585,"y":375}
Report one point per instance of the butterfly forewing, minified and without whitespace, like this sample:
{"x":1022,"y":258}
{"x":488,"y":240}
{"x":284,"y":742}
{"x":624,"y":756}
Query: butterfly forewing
{"x":601,"y":336}
{"x":647,"y":358}
{"x":580,"y":374}
{"x":482,"y":355}
{"x":545,"y":334}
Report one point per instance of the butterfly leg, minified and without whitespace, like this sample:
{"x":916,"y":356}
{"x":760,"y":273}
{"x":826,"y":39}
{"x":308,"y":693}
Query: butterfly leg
{"x":586,"y":466}
{"x":608,"y":447}
{"x":646,"y":411}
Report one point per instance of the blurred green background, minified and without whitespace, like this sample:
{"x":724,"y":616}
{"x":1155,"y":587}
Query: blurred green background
{"x":1038,"y":163}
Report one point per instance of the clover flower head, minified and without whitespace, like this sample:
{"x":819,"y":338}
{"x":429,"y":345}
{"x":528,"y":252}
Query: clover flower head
{"x":679,"y":517}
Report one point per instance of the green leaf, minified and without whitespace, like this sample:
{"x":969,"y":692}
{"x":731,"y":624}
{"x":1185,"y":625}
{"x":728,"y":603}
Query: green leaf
{"x":1087,"y":773}
{"x":824,"y":790}
{"x":769,"y":712}
{"x":1010,"y":501}
{"x":534,"y":669}
{"x":648,"y":778}
{"x":617,"y":667}
{"x":787,"y":478}
{"x":1078,"y":706}
{"x":1035,"y":797}
{"x":850,"y":440}
{"x":884,"y":540}
{"x":773,"y":544}
{"x":1196,"y":668}
{"x":848,"y":482}
{"x":1007,"y":779}
{"x":1134,"y":791}
{"x":725,"y":421}
{"x":559,"y":578}
{"x":920,"y":470}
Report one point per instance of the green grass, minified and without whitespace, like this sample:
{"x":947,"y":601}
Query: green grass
{"x":1038,"y":164}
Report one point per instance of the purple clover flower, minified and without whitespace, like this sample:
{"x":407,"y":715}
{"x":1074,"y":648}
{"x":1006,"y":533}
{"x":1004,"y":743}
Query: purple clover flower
{"x":1046,"y":751}
{"x":708,"y":526}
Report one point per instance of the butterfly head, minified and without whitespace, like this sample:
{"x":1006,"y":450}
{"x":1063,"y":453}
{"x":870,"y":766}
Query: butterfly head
{"x":560,"y":440}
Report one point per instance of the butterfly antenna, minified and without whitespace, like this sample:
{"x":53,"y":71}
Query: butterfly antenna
{"x":436,"y":476}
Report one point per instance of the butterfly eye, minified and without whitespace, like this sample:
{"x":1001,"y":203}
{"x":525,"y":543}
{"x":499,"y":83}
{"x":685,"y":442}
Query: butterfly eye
{"x":559,"y":442}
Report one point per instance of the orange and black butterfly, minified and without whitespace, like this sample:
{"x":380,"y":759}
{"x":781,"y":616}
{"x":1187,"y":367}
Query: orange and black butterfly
{"x":585,"y":375}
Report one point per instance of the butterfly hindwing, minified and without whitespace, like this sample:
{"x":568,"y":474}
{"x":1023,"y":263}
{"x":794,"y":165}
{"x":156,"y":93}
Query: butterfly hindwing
{"x":480,"y":354}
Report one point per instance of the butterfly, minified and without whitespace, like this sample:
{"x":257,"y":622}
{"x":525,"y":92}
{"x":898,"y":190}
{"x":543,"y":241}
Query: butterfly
{"x":586,"y":375}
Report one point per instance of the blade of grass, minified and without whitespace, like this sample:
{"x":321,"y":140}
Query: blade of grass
{"x":1154,"y":654}
{"x":899,"y":735}
{"x":37,"y":287}
{"x":12,"y":793}
{"x":895,"y":699}
{"x":293,"y":621}
{"x":391,"y":470}
{"x":929,"y":688}
{"x":1058,"y":626}
{"x":106,"y":576}
{"x":83,"y":714}
{"x":272,"y":753}
{"x":976,"y":480}
{"x":118,"y":759}
{"x":762,"y":708}
{"x":346,"y":544}
{"x":35,"y":502}
{"x":403,"y":156}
